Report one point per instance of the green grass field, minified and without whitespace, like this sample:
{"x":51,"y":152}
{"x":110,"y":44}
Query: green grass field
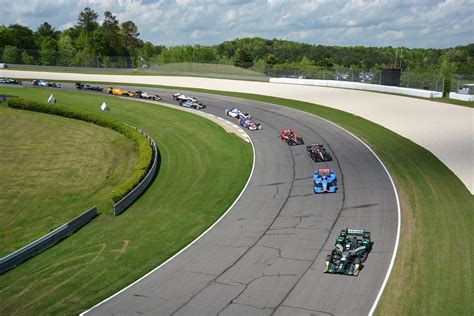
{"x":53,"y":169}
{"x":111,"y":252}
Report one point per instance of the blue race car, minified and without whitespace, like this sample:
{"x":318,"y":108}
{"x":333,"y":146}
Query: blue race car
{"x":248,"y":122}
{"x":324,"y":180}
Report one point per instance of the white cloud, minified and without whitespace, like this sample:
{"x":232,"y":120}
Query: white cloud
{"x":389,"y":35}
{"x":410,"y":23}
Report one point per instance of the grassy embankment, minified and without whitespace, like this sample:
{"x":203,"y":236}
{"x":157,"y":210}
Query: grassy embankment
{"x":187,"y":196}
{"x":53,"y":169}
{"x":194,"y":69}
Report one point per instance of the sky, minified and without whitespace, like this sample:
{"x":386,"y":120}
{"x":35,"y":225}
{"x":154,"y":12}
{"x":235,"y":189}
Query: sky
{"x":396,"y":23}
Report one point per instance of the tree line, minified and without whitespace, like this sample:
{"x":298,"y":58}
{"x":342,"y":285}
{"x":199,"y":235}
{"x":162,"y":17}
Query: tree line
{"x":114,"y":44}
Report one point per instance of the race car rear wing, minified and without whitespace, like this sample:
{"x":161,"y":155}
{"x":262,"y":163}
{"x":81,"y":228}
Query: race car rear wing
{"x":357,"y":232}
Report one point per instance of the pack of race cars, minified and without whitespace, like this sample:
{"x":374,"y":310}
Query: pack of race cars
{"x":352,"y":245}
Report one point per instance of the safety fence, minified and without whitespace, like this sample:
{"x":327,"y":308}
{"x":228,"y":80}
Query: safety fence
{"x":128,"y":199}
{"x":433,"y":81}
{"x":17,"y":257}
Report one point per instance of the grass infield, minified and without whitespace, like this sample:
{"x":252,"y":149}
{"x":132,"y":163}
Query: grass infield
{"x":110,"y":253}
{"x":53,"y":169}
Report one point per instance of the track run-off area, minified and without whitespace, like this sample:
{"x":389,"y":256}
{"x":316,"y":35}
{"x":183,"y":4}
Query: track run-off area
{"x":268,"y":259}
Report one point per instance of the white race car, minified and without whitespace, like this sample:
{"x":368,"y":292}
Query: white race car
{"x":235,"y":113}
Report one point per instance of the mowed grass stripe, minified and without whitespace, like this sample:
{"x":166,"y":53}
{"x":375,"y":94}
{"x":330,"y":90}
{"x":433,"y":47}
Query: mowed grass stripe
{"x":53,"y":169}
{"x":194,"y":186}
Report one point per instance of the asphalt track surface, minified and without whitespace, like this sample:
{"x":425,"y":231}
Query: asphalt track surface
{"x":267,"y":254}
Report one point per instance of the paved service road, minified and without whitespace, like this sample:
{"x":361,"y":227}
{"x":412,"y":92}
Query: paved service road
{"x":266,"y":255}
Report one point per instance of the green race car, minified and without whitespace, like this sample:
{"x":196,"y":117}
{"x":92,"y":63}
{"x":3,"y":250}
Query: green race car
{"x":6,"y":80}
{"x":352,"y":248}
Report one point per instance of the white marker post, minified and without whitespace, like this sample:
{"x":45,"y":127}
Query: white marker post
{"x":104,"y":107}
{"x":51,"y":99}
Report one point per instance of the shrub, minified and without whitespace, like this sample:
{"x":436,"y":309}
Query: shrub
{"x":145,"y":154}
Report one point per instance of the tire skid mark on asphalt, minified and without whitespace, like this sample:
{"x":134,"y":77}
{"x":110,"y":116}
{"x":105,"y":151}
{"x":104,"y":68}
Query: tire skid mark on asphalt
{"x":266,"y":107}
{"x":293,"y":154}
{"x":243,"y":254}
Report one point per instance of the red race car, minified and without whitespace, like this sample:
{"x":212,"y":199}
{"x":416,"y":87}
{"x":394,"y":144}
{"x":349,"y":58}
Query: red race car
{"x":290,"y":137}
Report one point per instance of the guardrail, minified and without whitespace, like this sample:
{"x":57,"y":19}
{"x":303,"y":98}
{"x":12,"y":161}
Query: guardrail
{"x":17,"y":257}
{"x":128,"y":199}
{"x":361,"y":86}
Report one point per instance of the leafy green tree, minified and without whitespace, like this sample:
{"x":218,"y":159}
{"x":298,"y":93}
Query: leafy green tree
{"x":130,"y":35}
{"x":67,"y":50}
{"x":11,"y":54}
{"x":21,"y":37}
{"x":4,"y":36}
{"x":48,"y":52}
{"x":242,"y":58}
{"x":46,"y":30}
{"x":87,"y":20}
{"x":113,"y":42}
{"x":27,"y":59}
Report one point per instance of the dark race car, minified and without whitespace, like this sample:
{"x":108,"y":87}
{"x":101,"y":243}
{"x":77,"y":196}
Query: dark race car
{"x":318,"y":153}
{"x":351,"y":250}
{"x":6,"y":80}
{"x":145,"y":95}
{"x":290,"y":137}
{"x":44,"y":83}
{"x":85,"y":86}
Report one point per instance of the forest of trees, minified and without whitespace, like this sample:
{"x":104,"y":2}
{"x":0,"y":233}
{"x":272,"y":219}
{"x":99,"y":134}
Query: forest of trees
{"x":114,"y":44}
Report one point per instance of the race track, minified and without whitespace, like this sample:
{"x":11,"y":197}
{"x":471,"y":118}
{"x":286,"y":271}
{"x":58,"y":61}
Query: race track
{"x":266,"y":255}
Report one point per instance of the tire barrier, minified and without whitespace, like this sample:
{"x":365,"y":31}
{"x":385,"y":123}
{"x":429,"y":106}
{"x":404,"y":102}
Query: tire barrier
{"x":128,"y":199}
{"x":17,"y":257}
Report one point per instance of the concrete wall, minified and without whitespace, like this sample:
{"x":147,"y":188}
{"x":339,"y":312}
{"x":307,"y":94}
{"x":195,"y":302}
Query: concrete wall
{"x":463,"y":97}
{"x":360,"y":86}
